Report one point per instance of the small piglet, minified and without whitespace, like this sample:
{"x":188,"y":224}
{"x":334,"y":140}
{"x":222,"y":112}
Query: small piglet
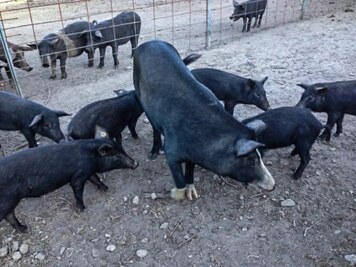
{"x":233,"y":89}
{"x":336,"y":99}
{"x":113,"y":114}
{"x":38,"y":171}
{"x":19,"y":114}
{"x":288,"y":126}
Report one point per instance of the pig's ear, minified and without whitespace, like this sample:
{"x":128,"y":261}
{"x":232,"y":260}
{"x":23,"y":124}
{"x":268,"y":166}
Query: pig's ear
{"x":101,"y":133}
{"x":106,"y":150}
{"x":264,"y":79}
{"x":251,"y":83}
{"x":60,"y":113}
{"x":33,"y":45}
{"x":258,"y":126}
{"x":98,"y":34}
{"x":242,"y":6}
{"x":36,"y":120}
{"x":321,"y":90}
{"x":302,"y":85}
{"x":244,"y":147}
{"x":235,"y":3}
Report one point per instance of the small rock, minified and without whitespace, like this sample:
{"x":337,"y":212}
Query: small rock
{"x":288,"y":203}
{"x":110,"y":248}
{"x":351,"y":258}
{"x":24,"y":248}
{"x":269,"y":163}
{"x":15,"y":246}
{"x":144,"y":240}
{"x":164,"y":225}
{"x":62,"y":251}
{"x":125,"y":199}
{"x":332,"y":148}
{"x":337,"y":232}
{"x":242,"y":197}
{"x":318,"y":173}
{"x":146,"y":121}
{"x":40,"y":256}
{"x":136,"y":200}
{"x":4,"y":251}
{"x":16,"y":256}
{"x":141,"y":253}
{"x":153,"y":196}
{"x":244,"y":229}
{"x":95,"y":253}
{"x":186,"y":237}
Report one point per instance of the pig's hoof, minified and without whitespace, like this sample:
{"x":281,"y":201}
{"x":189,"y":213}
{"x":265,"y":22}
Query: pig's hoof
{"x":100,"y":66}
{"x":191,"y":192}
{"x":53,"y":77}
{"x":90,"y":65}
{"x":337,"y":134}
{"x":178,"y":193}
{"x":64,"y":76}
{"x":153,"y":156}
{"x":22,"y":228}
{"x":116,"y":66}
{"x":296,"y":176}
{"x":80,"y":206}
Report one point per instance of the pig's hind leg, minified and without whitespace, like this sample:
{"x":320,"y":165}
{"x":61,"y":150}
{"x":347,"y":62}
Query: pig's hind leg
{"x":7,"y":212}
{"x":11,"y":218}
{"x":189,"y":179}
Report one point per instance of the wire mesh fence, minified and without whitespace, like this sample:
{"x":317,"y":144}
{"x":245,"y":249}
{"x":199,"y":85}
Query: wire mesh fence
{"x":188,"y":25}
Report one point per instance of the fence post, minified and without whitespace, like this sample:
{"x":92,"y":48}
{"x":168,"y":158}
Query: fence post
{"x":208,"y":23}
{"x":304,"y":6}
{"x":10,"y":64}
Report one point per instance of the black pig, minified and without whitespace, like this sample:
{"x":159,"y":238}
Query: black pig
{"x":18,"y":57}
{"x":288,"y":126}
{"x":69,"y":42}
{"x":113,"y":114}
{"x":19,"y":114}
{"x":197,"y":129}
{"x":233,"y":89}
{"x":114,"y":32}
{"x":248,"y":10}
{"x":336,"y":99}
{"x":38,"y":171}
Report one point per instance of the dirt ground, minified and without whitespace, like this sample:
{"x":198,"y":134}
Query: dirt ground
{"x":229,"y":225}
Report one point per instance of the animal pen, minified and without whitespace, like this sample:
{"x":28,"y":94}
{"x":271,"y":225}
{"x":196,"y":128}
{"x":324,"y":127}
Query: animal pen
{"x":188,"y":25}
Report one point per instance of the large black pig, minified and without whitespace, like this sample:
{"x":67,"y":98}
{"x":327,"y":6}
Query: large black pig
{"x":17,"y":53}
{"x":233,"y":89}
{"x":197,"y":129}
{"x":28,"y":117}
{"x":69,"y":42}
{"x":248,"y":10}
{"x":288,"y":126}
{"x":113,"y":32}
{"x":38,"y":171}
{"x":113,"y":114}
{"x":335,"y":98}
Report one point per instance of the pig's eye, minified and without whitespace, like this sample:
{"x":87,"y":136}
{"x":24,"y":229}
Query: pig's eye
{"x":258,"y":95}
{"x":311,"y":98}
{"x":46,"y":126}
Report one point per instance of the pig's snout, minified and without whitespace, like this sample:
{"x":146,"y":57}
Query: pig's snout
{"x":28,"y":69}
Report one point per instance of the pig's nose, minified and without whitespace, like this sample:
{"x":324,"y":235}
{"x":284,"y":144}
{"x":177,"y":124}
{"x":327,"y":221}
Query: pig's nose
{"x":135,"y":165}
